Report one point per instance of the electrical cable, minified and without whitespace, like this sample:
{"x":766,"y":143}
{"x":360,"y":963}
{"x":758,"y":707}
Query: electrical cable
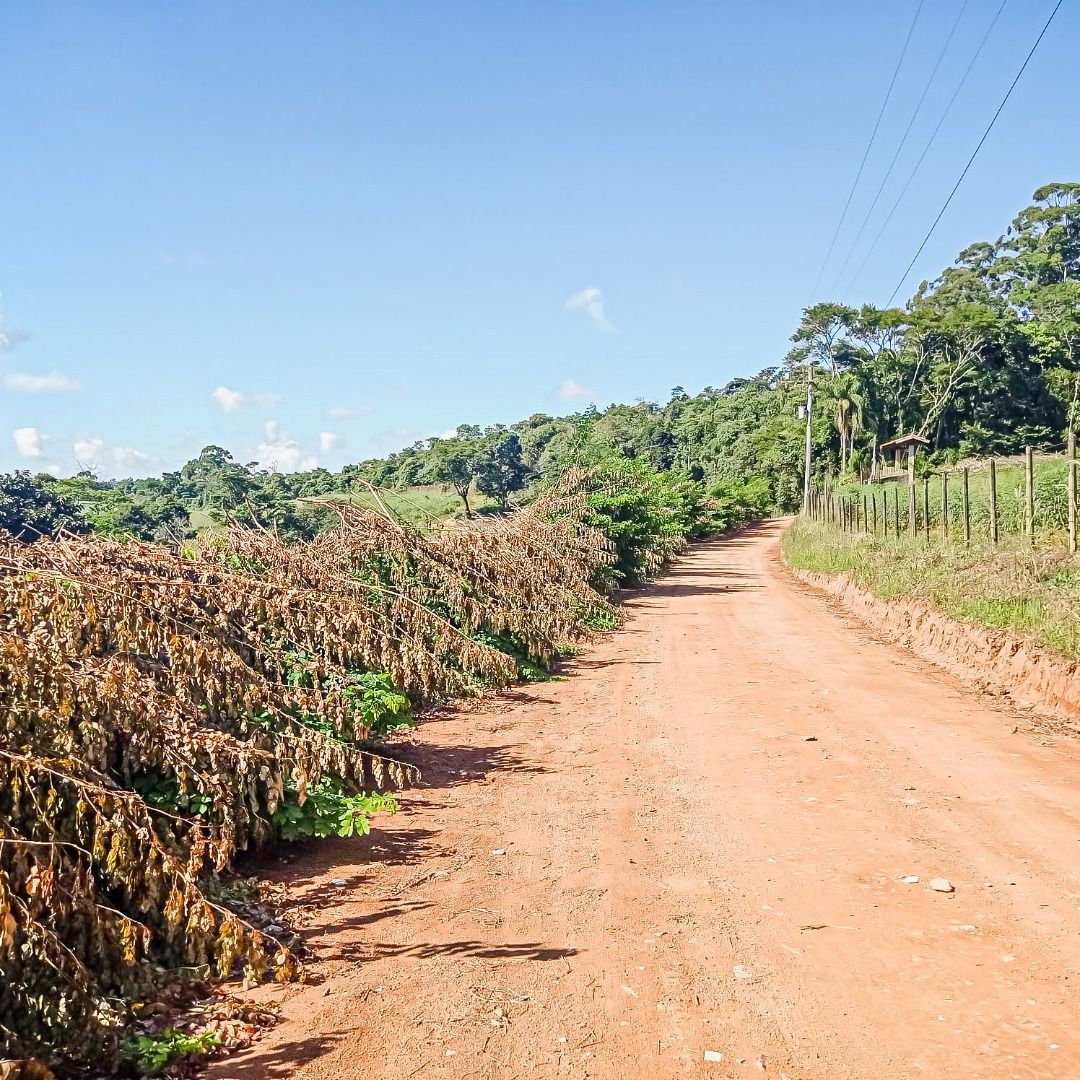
{"x":903,"y":142}
{"x":866,"y":152}
{"x":975,"y":152}
{"x":929,"y":142}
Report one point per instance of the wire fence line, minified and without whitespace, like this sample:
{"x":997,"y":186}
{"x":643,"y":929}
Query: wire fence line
{"x":967,"y":504}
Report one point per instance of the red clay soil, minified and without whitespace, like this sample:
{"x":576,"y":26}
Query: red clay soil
{"x":696,"y":843}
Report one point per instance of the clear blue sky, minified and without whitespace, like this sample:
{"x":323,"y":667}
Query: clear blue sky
{"x":363,"y":223}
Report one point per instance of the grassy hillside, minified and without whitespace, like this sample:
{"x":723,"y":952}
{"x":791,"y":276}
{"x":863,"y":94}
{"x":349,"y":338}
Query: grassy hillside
{"x":421,"y":504}
{"x":1051,"y":497}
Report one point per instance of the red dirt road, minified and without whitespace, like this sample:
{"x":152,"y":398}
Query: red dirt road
{"x":610,"y":875}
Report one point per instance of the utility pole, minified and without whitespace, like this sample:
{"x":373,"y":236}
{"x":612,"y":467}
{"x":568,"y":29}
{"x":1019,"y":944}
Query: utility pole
{"x":809,"y":433}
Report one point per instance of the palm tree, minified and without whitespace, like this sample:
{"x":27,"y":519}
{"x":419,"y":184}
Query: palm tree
{"x":850,"y":399}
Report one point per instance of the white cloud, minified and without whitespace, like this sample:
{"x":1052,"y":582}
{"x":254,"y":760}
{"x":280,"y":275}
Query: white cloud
{"x":10,"y":336}
{"x":280,"y":452}
{"x":569,"y":389}
{"x":22,"y":383}
{"x":29,"y":442}
{"x":229,"y":401}
{"x":328,"y":441}
{"x":92,"y":452}
{"x":347,"y":412}
{"x":590,"y":302}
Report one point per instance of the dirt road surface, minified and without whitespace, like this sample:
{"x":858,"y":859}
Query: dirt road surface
{"x":696,"y":843}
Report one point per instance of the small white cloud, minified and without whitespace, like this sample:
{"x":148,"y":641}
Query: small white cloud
{"x":23,"y":383}
{"x":92,"y":452}
{"x":280,"y":452}
{"x":87,"y":449}
{"x":29,"y":442}
{"x":229,"y":401}
{"x":328,"y":440}
{"x":569,"y":390}
{"x":347,"y":412}
{"x":10,"y":336}
{"x":590,"y":302}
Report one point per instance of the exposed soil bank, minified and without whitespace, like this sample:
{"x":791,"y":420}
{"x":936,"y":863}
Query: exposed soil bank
{"x":989,"y":660}
{"x":702,"y":841}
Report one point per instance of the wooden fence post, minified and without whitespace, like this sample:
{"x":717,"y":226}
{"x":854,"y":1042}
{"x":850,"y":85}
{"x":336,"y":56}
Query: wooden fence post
{"x":865,"y":518}
{"x":926,"y":506}
{"x":912,"y":523}
{"x":967,"y":509}
{"x":1072,"y":491}
{"x":896,"y":512}
{"x":993,"y":503}
{"x":873,"y":502}
{"x":944,"y":507}
{"x":1029,"y":494}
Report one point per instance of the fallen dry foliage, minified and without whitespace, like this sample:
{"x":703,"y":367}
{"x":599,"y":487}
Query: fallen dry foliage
{"x":119,"y":659}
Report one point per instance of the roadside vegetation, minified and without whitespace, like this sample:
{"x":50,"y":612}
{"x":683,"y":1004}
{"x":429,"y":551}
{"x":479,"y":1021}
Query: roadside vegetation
{"x":981,"y":362}
{"x":1051,"y":499}
{"x":1033,"y":592}
{"x":170,"y":706}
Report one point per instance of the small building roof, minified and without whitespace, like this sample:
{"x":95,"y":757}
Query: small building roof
{"x":904,"y":441}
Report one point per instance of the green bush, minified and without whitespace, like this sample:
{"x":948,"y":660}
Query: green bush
{"x":153,"y":1054}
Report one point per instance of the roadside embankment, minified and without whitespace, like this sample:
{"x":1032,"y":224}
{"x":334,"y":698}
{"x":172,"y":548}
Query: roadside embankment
{"x":991,"y":619}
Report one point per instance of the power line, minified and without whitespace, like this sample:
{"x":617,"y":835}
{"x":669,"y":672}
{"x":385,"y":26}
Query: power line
{"x":903,"y":142}
{"x":866,"y":152}
{"x":930,"y":142}
{"x":974,"y":153}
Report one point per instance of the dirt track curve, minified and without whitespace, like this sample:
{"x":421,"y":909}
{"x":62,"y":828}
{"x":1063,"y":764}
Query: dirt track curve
{"x":610,"y":875}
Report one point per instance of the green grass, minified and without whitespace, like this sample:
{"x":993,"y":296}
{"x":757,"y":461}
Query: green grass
{"x":421,"y":506}
{"x":1030,"y":591}
{"x":1051,"y":497}
{"x":201,"y":519}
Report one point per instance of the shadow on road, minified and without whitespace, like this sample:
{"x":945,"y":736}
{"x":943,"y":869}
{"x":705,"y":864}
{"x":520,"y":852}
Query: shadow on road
{"x":274,"y":1062}
{"x":527,"y":950}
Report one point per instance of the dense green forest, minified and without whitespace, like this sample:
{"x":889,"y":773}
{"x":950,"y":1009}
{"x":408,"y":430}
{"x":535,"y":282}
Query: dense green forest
{"x":984,"y":359}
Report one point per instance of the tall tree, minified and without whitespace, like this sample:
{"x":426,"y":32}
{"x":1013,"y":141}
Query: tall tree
{"x":822,"y":336}
{"x":500,"y":470}
{"x":456,"y":467}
